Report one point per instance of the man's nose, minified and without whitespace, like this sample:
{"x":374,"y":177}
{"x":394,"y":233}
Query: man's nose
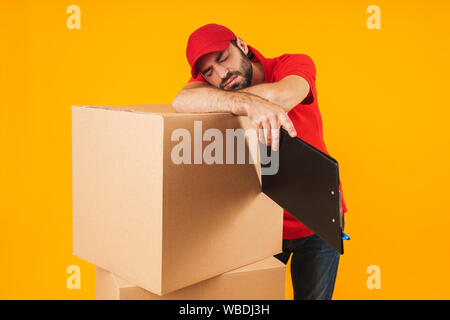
{"x":221,"y":71}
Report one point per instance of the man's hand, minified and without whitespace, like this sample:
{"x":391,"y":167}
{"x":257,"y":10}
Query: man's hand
{"x":266,"y":115}
{"x":267,"y":118}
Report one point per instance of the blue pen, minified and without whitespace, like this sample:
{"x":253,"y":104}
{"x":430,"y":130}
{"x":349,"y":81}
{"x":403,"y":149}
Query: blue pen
{"x":345,"y":236}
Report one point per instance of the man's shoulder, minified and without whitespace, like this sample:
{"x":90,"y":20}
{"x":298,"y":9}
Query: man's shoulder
{"x":294,"y":58}
{"x":294,"y":64}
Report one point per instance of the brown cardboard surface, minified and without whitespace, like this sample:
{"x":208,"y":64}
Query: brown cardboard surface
{"x":263,"y":280}
{"x":156,"y":224}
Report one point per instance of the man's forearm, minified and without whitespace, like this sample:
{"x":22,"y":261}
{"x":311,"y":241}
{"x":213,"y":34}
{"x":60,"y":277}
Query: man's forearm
{"x":286,"y":93}
{"x":266,"y":116}
{"x":208,"y":99}
{"x":263,"y":90}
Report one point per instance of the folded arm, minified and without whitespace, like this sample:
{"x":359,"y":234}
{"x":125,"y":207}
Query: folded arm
{"x":287,"y":93}
{"x":265,"y":104}
{"x":202,"y":97}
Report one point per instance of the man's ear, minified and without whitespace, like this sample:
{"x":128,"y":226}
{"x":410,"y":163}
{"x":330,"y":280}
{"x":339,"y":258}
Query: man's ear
{"x":242,"y":45}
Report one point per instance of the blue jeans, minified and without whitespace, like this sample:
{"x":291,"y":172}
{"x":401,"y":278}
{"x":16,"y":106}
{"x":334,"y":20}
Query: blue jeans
{"x":314,"y":267}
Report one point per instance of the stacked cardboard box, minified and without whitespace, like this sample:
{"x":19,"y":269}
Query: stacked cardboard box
{"x":261,"y":280}
{"x":153,"y":209}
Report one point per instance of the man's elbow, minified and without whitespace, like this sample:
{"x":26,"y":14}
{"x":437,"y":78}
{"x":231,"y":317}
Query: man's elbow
{"x":178,"y":104}
{"x":291,"y":102}
{"x":294,"y":91}
{"x":183,"y":100}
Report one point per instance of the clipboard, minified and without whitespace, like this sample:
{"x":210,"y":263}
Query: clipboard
{"x":306,"y":185}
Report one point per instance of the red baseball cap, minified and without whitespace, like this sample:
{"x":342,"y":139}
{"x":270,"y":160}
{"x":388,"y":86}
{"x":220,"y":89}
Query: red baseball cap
{"x":209,"y":38}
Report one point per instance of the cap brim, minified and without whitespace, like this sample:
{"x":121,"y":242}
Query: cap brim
{"x":216,"y":47}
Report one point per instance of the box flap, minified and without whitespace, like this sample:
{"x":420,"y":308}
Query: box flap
{"x":268,"y":263}
{"x":165,"y":110}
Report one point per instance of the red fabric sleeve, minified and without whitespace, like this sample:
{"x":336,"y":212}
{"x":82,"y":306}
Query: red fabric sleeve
{"x":300,"y":65}
{"x":296,"y":64}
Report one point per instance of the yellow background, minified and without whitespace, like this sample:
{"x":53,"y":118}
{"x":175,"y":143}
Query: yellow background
{"x":383,"y":95}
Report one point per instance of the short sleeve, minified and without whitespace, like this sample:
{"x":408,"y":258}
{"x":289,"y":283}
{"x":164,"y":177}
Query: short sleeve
{"x":301,"y":65}
{"x":296,"y":64}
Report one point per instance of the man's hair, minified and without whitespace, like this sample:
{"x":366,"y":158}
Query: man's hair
{"x":250,"y":54}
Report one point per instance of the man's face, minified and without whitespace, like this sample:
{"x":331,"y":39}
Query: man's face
{"x":230,"y":69}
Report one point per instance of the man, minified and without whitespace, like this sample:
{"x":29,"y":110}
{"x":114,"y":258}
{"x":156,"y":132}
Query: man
{"x":227,"y":75}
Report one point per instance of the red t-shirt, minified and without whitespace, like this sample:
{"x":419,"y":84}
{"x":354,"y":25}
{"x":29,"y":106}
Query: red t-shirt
{"x":305,"y":116}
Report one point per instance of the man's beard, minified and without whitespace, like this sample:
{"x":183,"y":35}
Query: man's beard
{"x":246,"y":72}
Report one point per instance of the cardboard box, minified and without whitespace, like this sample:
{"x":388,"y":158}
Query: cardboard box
{"x":262,"y":280}
{"x":161,"y":225}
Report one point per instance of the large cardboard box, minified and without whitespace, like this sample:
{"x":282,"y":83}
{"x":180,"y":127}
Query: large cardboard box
{"x":158,"y":223}
{"x":262,"y":280}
